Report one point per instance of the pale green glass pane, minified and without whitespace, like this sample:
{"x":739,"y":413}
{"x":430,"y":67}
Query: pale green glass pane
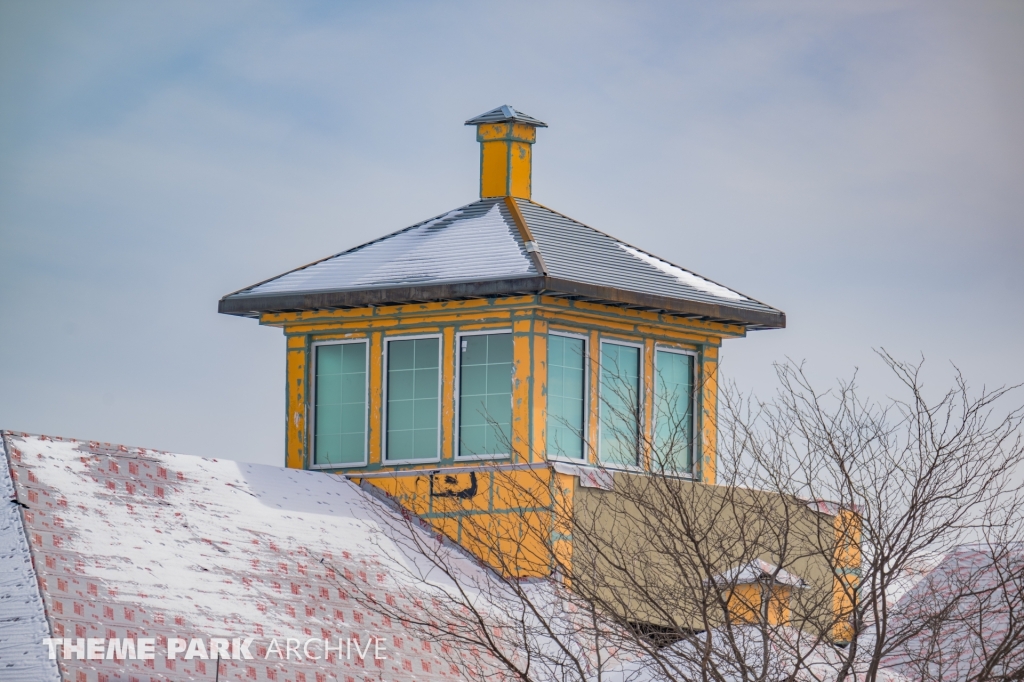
{"x":474,"y":350}
{"x":495,"y":441}
{"x":400,"y":415}
{"x":425,"y":413}
{"x":340,"y":404}
{"x":412,"y":399}
{"x":401,"y":354}
{"x":473,"y":439}
{"x":473,"y":380}
{"x":620,"y":390}
{"x":353,"y":387}
{"x":401,"y":384}
{"x":353,"y":358}
{"x":565,"y":397}
{"x":499,"y":348}
{"x":328,"y":419}
{"x":471,"y":410}
{"x":426,"y":353}
{"x":400,"y":444}
{"x":353,"y":418}
{"x":328,"y":360}
{"x":425,"y":443}
{"x":425,"y":383}
{"x":328,"y":449}
{"x":674,"y":411}
{"x":499,"y":408}
{"x":485,"y":394}
{"x":499,"y":377}
{"x":556,"y":384}
{"x":352,"y":448}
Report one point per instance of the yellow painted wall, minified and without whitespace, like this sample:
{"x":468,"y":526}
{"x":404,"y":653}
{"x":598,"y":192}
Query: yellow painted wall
{"x":506,"y":159}
{"x":745,"y":603}
{"x":497,"y":502}
{"x":847,"y":561}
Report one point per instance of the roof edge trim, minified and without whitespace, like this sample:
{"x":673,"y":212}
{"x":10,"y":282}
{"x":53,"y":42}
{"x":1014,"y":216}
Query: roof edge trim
{"x":254,"y":305}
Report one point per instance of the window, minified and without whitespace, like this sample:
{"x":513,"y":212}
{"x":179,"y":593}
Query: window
{"x":566,"y":396}
{"x":413,"y":399}
{"x":339,"y":409}
{"x":485,"y":394}
{"x":620,"y":394}
{"x":673,"y":411}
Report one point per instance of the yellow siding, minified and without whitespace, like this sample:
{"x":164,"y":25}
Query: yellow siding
{"x":709,"y":423}
{"x":540,"y":390}
{"x":295,"y":430}
{"x":519,"y":168}
{"x":847,"y":559}
{"x":648,"y":403}
{"x":494,"y":168}
{"x":376,"y":398}
{"x":594,"y":353}
{"x":745,"y":603}
{"x":448,"y":360}
{"x":521,"y":366}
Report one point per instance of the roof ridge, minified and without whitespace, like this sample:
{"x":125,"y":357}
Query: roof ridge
{"x":357,"y":247}
{"x":645,"y":251}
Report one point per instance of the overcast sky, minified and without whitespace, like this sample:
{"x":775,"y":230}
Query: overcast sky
{"x":859,"y":165}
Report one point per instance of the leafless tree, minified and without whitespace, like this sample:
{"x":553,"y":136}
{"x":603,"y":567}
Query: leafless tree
{"x":826,"y":508}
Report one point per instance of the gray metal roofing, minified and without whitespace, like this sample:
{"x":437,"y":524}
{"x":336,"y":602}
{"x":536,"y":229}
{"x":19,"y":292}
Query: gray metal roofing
{"x":505,"y":113}
{"x":477,"y":250}
{"x":468,"y":244}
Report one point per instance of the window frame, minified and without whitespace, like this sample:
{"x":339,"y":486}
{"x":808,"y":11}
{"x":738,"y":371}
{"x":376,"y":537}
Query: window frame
{"x":694,"y":401}
{"x":457,"y":440}
{"x":639,"y":345}
{"x":583,"y":459}
{"x":384,"y":461}
{"x":312,"y":403}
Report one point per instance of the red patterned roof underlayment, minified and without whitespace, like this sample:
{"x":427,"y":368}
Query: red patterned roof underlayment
{"x":131,"y":543}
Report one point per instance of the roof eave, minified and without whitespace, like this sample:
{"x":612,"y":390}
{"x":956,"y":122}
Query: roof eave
{"x":354,"y":298}
{"x":756,"y":319}
{"x":251,"y":306}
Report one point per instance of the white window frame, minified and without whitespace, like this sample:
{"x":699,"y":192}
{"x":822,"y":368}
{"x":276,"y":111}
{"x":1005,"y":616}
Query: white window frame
{"x":312,"y":404}
{"x":586,"y":400}
{"x":600,"y":402}
{"x":384,"y":393}
{"x":693,"y":401}
{"x":457,"y":440}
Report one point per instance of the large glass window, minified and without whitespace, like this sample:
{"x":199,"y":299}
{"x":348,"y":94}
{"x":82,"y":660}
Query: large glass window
{"x":485,"y":394}
{"x":339,"y":413}
{"x":413,"y":390}
{"x":673,"y":411}
{"x":620,"y":400}
{"x":566,"y":399}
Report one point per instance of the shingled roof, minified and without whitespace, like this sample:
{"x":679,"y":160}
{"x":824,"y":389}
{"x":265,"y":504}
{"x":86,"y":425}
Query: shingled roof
{"x":105,"y":541}
{"x":500,"y":247}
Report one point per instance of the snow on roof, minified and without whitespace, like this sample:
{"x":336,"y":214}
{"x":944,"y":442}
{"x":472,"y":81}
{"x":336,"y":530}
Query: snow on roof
{"x":130,"y":542}
{"x":22,"y":620}
{"x":964,"y":613}
{"x":756,"y":571}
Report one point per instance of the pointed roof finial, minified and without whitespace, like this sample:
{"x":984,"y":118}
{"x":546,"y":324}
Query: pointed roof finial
{"x":505,"y":113}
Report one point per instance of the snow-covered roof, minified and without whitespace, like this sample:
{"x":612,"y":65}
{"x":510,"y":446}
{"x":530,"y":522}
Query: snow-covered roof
{"x":478,"y":250}
{"x":759,"y":570}
{"x":130,"y":542}
{"x":965,"y":614}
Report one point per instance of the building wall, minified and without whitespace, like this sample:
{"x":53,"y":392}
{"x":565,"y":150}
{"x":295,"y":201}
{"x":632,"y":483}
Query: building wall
{"x":515,"y":505}
{"x":676,"y":537}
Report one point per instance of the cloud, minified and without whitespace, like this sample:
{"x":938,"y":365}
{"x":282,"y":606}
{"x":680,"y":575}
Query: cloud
{"x":857,"y":164}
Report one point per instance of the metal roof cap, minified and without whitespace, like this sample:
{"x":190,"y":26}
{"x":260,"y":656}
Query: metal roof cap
{"x":505,"y":113}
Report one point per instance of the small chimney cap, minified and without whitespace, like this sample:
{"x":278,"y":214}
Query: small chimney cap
{"x":505,"y":113}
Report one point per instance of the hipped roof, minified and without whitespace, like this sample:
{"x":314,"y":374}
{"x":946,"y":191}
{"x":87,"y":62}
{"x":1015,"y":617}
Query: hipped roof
{"x":478,"y":251}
